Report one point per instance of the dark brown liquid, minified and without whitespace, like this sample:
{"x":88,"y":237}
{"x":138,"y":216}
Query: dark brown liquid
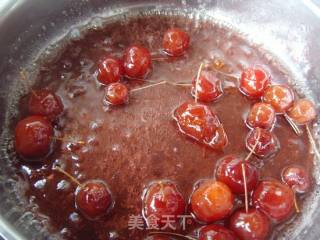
{"x":132,"y":145}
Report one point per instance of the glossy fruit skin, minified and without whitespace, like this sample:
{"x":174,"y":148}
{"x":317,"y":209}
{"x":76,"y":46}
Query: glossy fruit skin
{"x":268,"y":144}
{"x":253,"y":81}
{"x":303,"y":112}
{"x":162,"y":199}
{"x":175,"y":42}
{"x":297,"y":178}
{"x":93,"y":199}
{"x":209,"y":87}
{"x":280,"y":97}
{"x":212,"y":201}
{"x":110,"y":70}
{"x":116,"y":94}
{"x":275,"y":199}
{"x":261,"y":115}
{"x":229,"y":171}
{"x":200,"y":123}
{"x":46,"y":103}
{"x":33,"y":137}
{"x":216,"y":232}
{"x":137,"y":62}
{"x":253,"y":225}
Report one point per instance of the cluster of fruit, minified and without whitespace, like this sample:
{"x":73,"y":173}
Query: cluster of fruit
{"x":214,"y":199}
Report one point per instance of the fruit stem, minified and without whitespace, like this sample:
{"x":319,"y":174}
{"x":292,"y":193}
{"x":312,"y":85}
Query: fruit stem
{"x":312,"y":142}
{"x":172,"y":235}
{"x":197,"y":82}
{"x":244,"y":176}
{"x":160,"y":59}
{"x":148,"y":86}
{"x":180,"y":84}
{"x":245,"y":186}
{"x":293,"y":125}
{"x":73,"y":179}
{"x":296,"y":203}
{"x":63,"y":139}
{"x":254,"y":147}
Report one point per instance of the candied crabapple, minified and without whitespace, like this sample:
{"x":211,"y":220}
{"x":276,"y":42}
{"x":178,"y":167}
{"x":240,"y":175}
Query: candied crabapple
{"x":275,"y":199}
{"x":216,"y":232}
{"x":137,"y":62}
{"x":162,"y":199}
{"x":264,"y":142}
{"x":261,"y":115}
{"x":229,"y":171}
{"x":175,"y":42}
{"x":93,"y":199}
{"x":200,"y":123}
{"x":33,"y":137}
{"x":110,"y":70}
{"x":46,"y":103}
{"x":253,"y":81}
{"x":251,"y":225}
{"x":280,"y":97}
{"x":116,"y":94}
{"x":212,"y":201}
{"x":303,"y":111}
{"x":297,"y":178}
{"x":208,"y":87}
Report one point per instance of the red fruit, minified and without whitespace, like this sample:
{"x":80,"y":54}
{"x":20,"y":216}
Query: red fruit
{"x":253,"y":82}
{"x":46,"y":103}
{"x":251,"y":225}
{"x":93,"y":199}
{"x":212,"y":201}
{"x":116,"y":94}
{"x":261,"y":115}
{"x":275,"y":199}
{"x":162,"y":199}
{"x":33,"y":137}
{"x":303,"y":111}
{"x":137,"y":62}
{"x":216,"y":232}
{"x":297,"y":178}
{"x":200,"y":123}
{"x":280,"y":97}
{"x":268,"y":143}
{"x":229,"y":171}
{"x":208,"y":87}
{"x":110,"y":70}
{"x":175,"y":42}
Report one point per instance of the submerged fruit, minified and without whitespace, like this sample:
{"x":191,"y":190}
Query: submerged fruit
{"x":275,"y":199}
{"x":261,"y":115}
{"x":93,"y":199}
{"x":46,"y":103}
{"x":303,"y":111}
{"x":33,"y":137}
{"x":253,"y":81}
{"x":229,"y":171}
{"x":137,"y":62}
{"x":162,"y":199}
{"x":110,"y":70}
{"x":251,"y":225}
{"x":175,"y":42}
{"x":212,"y":201}
{"x":200,"y":123}
{"x":280,"y":97}
{"x":216,"y":232}
{"x":208,"y":87}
